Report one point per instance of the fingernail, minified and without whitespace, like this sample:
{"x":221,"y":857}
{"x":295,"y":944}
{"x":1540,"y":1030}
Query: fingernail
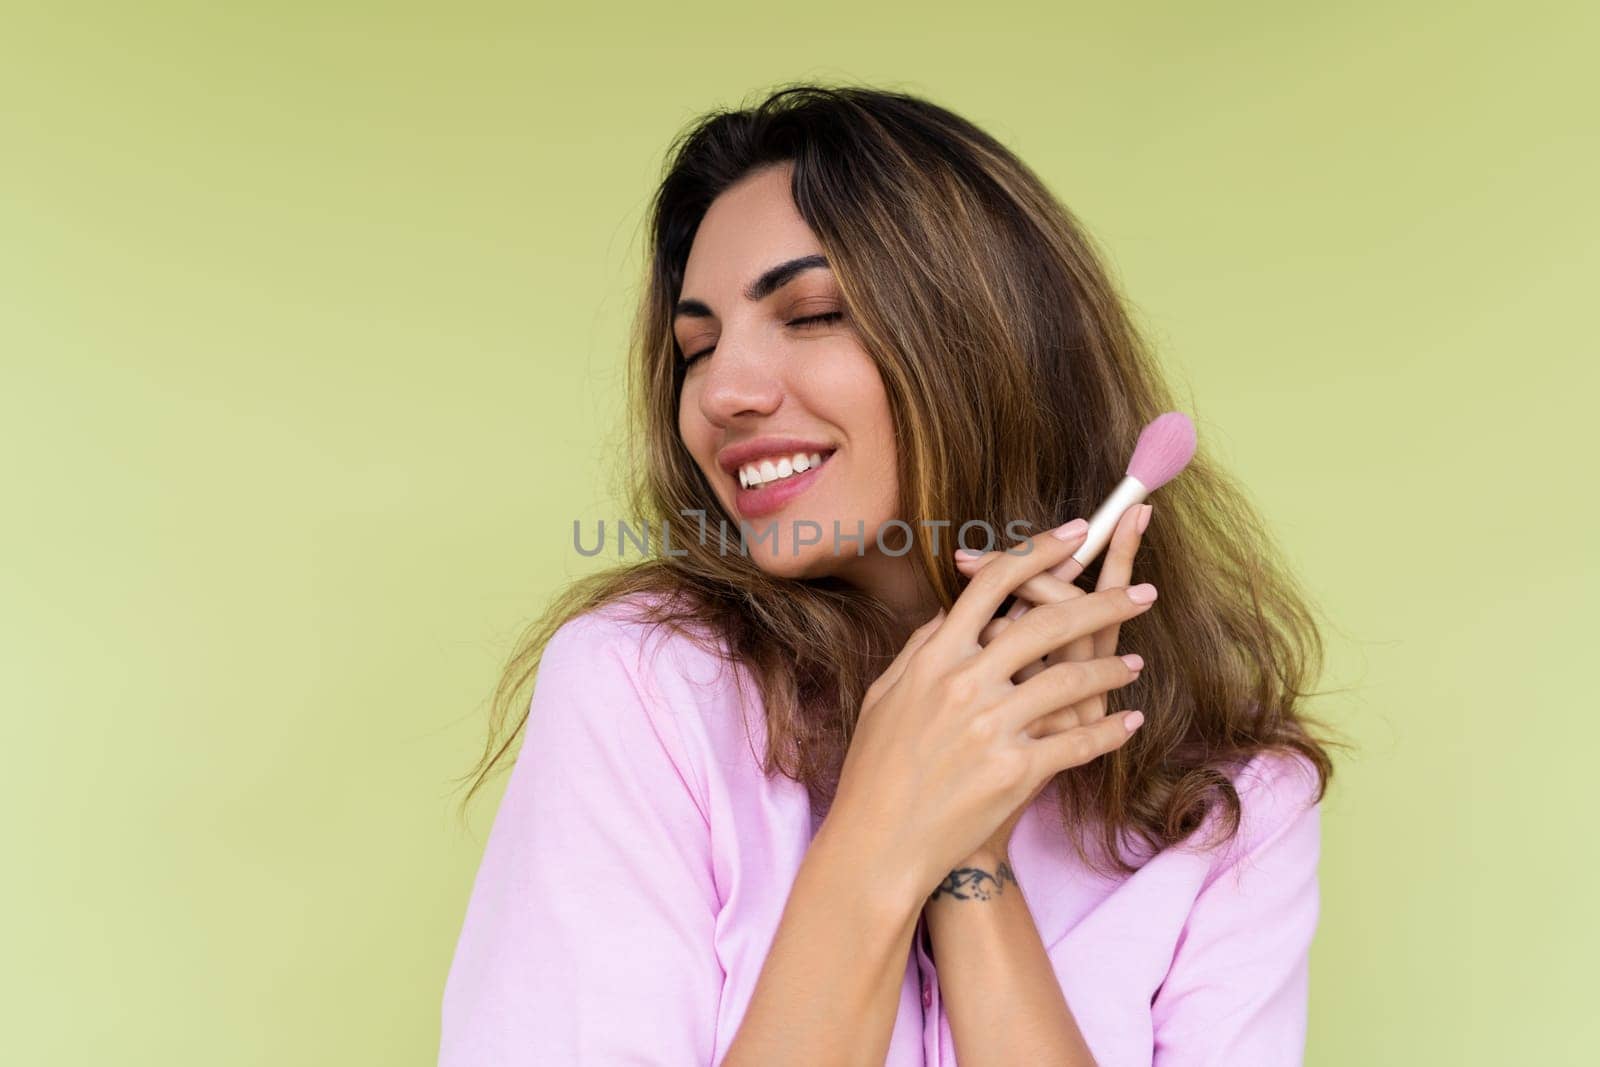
{"x":1143,"y":593}
{"x":1132,"y":721}
{"x":967,"y":553}
{"x":1134,"y":661}
{"x":1075,"y":528}
{"x":1144,"y":516}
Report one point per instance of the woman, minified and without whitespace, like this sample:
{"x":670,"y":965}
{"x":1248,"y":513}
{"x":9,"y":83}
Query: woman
{"x":808,"y":795}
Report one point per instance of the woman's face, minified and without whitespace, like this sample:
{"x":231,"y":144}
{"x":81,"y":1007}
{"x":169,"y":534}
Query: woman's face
{"x":766,"y":393}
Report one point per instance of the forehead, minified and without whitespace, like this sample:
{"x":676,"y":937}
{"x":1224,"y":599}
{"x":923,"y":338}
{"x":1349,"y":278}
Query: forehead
{"x":750,"y":226}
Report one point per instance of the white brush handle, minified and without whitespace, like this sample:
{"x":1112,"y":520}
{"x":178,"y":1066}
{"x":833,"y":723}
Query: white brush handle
{"x":1129,"y":493}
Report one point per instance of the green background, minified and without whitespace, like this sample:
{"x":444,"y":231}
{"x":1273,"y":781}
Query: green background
{"x":311,"y":319}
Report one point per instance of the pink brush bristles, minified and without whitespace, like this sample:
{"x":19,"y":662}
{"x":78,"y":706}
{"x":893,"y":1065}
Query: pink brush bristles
{"x":1165,"y":447}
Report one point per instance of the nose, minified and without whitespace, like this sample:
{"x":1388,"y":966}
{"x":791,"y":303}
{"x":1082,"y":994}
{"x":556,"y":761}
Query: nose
{"x":738,"y":381}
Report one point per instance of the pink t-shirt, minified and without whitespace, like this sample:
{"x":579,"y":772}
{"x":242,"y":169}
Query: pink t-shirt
{"x":639,"y":864}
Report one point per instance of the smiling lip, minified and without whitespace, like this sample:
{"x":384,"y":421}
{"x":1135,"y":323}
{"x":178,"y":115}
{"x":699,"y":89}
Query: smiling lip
{"x":766,"y":499}
{"x":731,"y":458}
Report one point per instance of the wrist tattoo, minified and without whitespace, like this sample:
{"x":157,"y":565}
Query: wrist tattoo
{"x":975,"y":883}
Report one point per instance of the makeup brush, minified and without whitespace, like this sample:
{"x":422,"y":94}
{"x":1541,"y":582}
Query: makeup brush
{"x":1165,"y":447}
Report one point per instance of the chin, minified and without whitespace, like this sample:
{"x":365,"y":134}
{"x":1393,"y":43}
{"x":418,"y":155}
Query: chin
{"x":812,"y":561}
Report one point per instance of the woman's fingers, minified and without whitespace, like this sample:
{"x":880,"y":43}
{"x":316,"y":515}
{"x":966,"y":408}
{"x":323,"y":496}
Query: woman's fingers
{"x":892,"y":673}
{"x":1040,"y":589}
{"x":975,"y":608}
{"x":1063,"y":685}
{"x":1115,"y":570}
{"x":1071,"y":716}
{"x":1047,"y":588}
{"x":1064,"y":719}
{"x":1049,"y":626}
{"x":1075,"y":651}
{"x":1056,"y":585}
{"x":991,"y":631}
{"x":1118,"y":570}
{"x":1054,"y":753}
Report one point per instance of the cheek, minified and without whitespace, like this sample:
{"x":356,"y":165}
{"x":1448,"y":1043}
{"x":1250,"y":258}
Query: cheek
{"x":864,"y":412}
{"x":694,"y":431}
{"x":867,"y":411}
{"x":692,"y":425}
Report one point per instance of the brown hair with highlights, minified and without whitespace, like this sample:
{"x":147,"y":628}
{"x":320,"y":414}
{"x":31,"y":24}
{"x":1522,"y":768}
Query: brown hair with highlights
{"x":1018,"y":384}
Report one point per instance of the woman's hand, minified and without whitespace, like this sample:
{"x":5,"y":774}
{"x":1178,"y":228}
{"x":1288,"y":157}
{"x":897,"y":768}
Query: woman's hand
{"x":1051,"y":587}
{"x":943,"y":751}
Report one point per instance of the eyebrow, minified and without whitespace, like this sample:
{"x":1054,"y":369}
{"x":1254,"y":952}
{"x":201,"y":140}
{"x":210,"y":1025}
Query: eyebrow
{"x":771,"y":280}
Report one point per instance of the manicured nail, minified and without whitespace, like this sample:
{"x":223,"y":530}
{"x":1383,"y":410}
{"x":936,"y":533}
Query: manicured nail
{"x":1132,"y":721}
{"x":1075,"y":528}
{"x":967,"y":553}
{"x":1134,"y":661}
{"x":1144,"y":516}
{"x":1143,"y":593}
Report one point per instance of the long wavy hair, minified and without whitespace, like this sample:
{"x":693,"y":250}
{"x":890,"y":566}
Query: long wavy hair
{"x":1018,"y":384}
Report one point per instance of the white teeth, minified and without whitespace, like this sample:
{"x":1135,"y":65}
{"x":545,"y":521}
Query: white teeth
{"x":752,"y":475}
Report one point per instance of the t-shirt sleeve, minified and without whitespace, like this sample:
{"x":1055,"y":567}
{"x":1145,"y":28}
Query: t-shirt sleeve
{"x":1238,"y":987}
{"x":588,"y":936}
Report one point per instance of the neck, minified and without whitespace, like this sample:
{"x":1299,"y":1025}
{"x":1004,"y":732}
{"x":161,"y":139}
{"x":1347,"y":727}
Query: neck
{"x":895,"y":581}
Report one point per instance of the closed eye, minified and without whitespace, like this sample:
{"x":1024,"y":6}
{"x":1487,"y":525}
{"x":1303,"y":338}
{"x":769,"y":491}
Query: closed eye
{"x":810,"y":320}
